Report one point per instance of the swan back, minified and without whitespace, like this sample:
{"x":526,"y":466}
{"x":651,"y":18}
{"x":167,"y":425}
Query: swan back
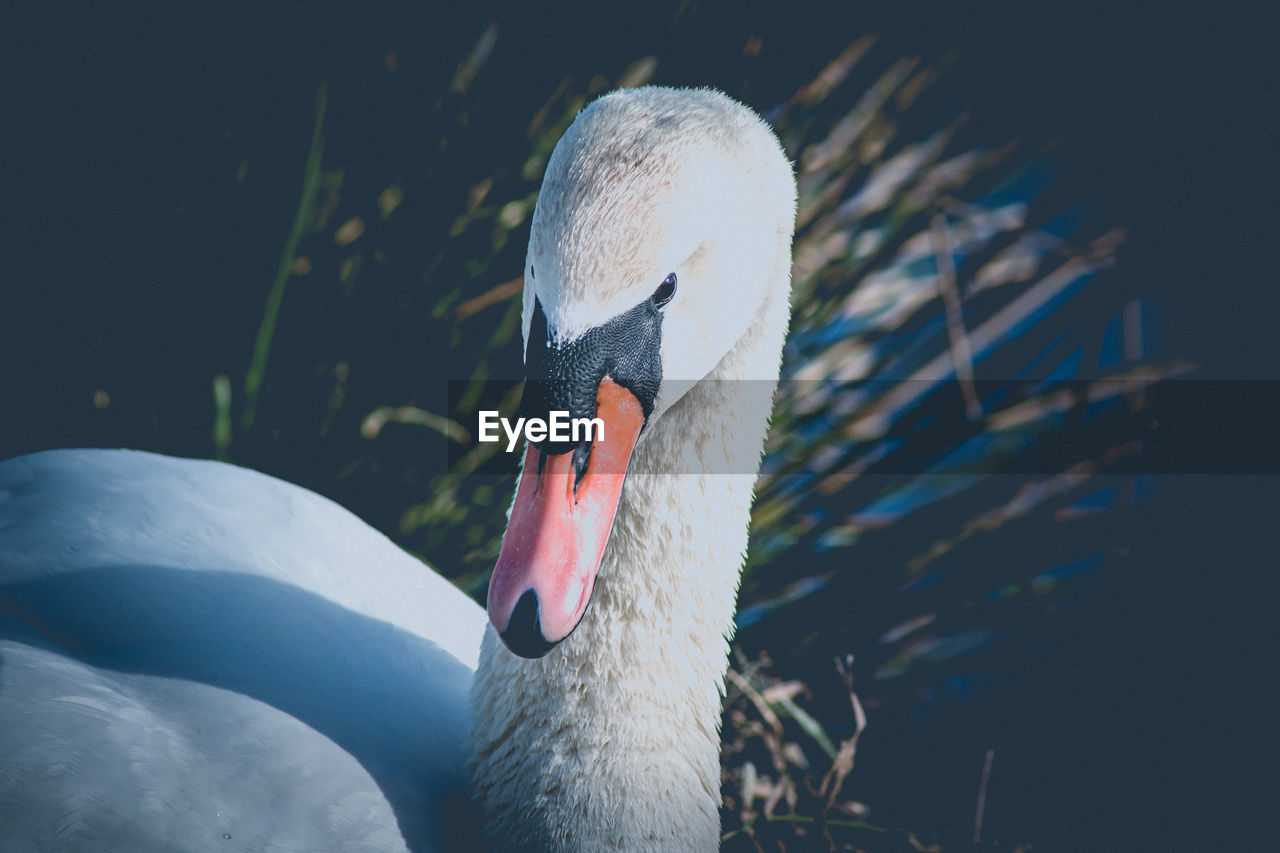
{"x":190,"y":650}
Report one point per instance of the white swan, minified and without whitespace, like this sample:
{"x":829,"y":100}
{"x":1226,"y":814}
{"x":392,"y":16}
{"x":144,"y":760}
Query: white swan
{"x":191,"y":652}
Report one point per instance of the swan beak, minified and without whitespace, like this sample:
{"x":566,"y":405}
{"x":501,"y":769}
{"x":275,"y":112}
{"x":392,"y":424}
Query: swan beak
{"x":558,"y":530}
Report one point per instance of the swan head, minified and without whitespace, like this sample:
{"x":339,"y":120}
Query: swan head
{"x":662,"y":227}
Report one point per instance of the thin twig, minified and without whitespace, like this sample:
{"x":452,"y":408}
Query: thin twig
{"x":766,"y":713}
{"x":961,"y":354}
{"x":1134,"y":348}
{"x":301,"y":220}
{"x":982,"y":796}
{"x":843,"y":764}
{"x":499,"y":293}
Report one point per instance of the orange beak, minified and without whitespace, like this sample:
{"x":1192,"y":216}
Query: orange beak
{"x":558,"y":531}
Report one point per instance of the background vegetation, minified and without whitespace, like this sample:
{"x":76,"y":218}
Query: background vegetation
{"x":295,"y":241}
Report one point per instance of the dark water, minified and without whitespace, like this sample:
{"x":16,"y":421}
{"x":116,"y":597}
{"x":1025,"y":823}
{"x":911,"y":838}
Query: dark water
{"x":127,"y":125}
{"x":133,"y":262}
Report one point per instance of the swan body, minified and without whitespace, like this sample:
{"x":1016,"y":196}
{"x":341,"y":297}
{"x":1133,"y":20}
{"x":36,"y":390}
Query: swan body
{"x":194,"y":655}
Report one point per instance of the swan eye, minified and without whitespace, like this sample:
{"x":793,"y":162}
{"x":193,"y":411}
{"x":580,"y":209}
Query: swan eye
{"x":665,"y":291}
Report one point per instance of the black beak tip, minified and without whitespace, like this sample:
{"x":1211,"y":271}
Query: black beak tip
{"x":524,"y":631}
